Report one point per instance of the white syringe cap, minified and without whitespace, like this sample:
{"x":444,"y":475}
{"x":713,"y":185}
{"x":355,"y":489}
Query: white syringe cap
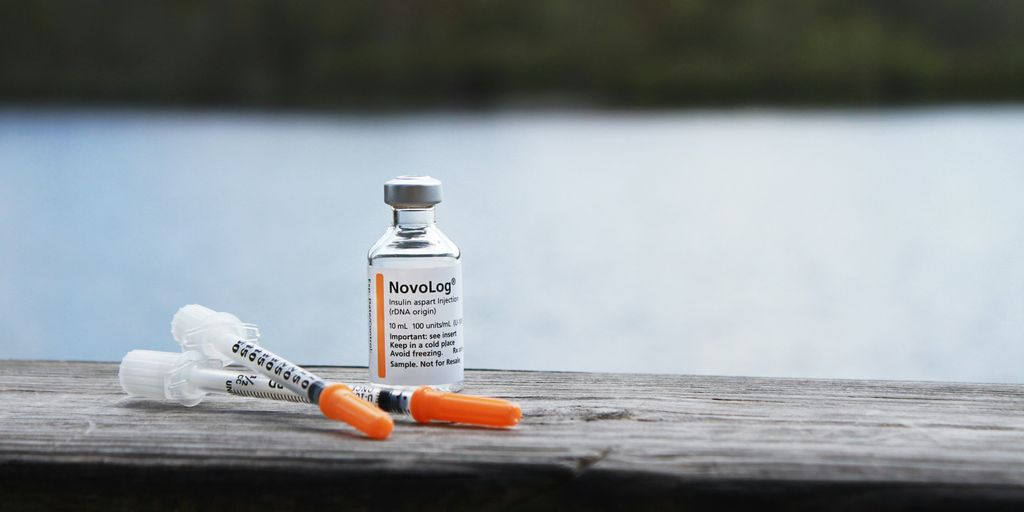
{"x":161,"y":375}
{"x":211,"y":333}
{"x":412,"y":192}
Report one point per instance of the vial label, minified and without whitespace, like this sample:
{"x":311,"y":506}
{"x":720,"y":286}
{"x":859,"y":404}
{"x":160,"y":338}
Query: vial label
{"x":415,"y":325}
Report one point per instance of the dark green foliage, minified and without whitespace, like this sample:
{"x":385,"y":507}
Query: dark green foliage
{"x":637,"y":53}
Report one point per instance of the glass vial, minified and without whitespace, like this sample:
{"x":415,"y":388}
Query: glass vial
{"x":414,"y":284}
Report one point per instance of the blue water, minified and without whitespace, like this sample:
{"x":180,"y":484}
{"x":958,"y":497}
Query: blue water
{"x":876,"y":244}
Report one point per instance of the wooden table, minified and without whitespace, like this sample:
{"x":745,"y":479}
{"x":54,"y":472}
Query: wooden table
{"x":69,"y":437}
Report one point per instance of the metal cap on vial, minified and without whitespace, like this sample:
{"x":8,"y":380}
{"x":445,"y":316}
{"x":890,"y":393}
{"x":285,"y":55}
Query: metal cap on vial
{"x":412,"y":192}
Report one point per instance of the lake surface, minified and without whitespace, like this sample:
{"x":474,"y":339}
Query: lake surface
{"x":859,"y":244}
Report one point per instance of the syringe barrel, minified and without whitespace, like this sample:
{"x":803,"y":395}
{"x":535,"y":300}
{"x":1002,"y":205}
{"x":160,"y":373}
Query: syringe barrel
{"x":239,"y":382}
{"x":288,"y":374}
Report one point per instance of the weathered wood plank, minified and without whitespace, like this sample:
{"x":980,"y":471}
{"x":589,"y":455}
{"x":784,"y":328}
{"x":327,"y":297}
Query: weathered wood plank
{"x":69,"y":436}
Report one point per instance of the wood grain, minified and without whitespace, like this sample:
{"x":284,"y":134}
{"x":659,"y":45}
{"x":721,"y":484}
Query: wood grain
{"x":69,"y":437}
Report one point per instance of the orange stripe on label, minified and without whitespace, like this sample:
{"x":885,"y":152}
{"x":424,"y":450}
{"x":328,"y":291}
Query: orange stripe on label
{"x":382,"y":369}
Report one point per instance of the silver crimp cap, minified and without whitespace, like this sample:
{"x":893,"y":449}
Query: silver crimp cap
{"x":412,"y":192}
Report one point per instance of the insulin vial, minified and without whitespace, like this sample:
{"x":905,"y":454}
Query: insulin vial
{"x":414,"y":282}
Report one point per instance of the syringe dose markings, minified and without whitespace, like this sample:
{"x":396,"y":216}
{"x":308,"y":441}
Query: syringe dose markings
{"x":258,"y":386}
{"x":429,"y":348}
{"x":292,"y":376}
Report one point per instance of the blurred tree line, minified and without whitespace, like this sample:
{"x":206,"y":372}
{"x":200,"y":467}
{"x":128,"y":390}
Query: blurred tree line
{"x":625,"y":53}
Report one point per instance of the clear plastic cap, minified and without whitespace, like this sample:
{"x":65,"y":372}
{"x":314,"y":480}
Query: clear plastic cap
{"x":162,"y":375}
{"x":211,"y":333}
{"x":412,"y":192}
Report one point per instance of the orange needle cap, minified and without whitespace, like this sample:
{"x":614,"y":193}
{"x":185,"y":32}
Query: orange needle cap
{"x":429,"y":404}
{"x":338,"y":402}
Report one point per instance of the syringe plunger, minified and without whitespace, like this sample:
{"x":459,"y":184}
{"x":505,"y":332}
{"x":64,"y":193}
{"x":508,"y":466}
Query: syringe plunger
{"x":161,"y":375}
{"x":204,"y":330}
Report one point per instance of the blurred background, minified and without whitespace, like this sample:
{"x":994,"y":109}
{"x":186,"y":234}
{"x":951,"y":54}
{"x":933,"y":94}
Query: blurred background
{"x":800,"y":188}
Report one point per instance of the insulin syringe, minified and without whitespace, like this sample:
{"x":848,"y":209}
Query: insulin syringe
{"x":187,"y":377}
{"x":222,"y":336}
